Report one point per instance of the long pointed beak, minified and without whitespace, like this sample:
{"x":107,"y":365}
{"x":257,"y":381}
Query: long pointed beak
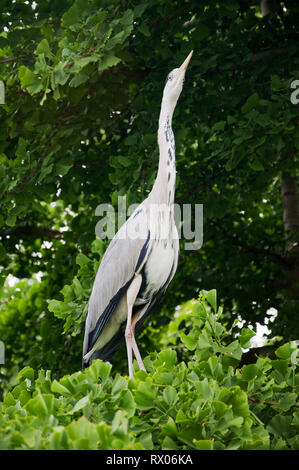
{"x":186,"y":62}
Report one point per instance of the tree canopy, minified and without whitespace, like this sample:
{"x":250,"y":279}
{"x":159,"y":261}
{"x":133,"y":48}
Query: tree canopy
{"x":83,"y":85}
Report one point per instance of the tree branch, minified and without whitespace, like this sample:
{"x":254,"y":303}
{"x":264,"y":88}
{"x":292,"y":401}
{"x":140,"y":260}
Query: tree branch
{"x":207,"y":182}
{"x":14,"y":59}
{"x":272,"y":403}
{"x":251,"y":355}
{"x":28,"y":231}
{"x":277,"y":257}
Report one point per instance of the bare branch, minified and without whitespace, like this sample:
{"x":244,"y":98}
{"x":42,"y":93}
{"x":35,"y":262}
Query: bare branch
{"x":14,"y":59}
{"x":28,"y":231}
{"x":272,"y":403}
{"x":277,"y":257}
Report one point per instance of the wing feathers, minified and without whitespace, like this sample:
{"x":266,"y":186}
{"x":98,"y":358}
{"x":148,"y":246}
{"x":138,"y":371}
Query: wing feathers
{"x":103,"y":319}
{"x":122,"y":259}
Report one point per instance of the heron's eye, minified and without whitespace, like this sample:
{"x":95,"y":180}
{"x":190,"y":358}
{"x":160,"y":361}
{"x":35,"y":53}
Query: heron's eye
{"x":169,"y":77}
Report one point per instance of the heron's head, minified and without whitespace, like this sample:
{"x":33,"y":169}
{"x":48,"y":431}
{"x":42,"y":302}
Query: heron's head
{"x":175,"y":80}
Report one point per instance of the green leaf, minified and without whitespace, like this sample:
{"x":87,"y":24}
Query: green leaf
{"x":44,"y":48}
{"x":57,"y":387}
{"x":251,"y":103}
{"x":163,"y":378}
{"x":99,"y":369}
{"x":79,"y":405}
{"x":59,"y":440}
{"x":24,"y":397}
{"x":237,"y":398}
{"x":170,"y":395}
{"x":144,"y":29}
{"x":280,"y":445}
{"x":190,"y":341}
{"x":124,"y":161}
{"x":60,"y":76}
{"x":107,"y":62}
{"x":234,"y":350}
{"x":132,"y":139}
{"x":170,"y":428}
{"x":279,"y":425}
{"x":233,"y":162}
{"x":249,"y":372}
{"x":139,"y":9}
{"x":212,"y":299}
{"x":245,"y":336}
{"x":204,"y":389}
{"x":9,"y":399}
{"x":276,"y":83}
{"x":181,"y":417}
{"x":63,"y":167}
{"x":59,"y":308}
{"x":204,"y":444}
{"x":256,"y":164}
{"x":280,"y":365}
{"x":78,"y":79}
{"x":11,"y":220}
{"x":42,"y":405}
{"x":145,"y":395}
{"x":220,"y":408}
{"x":287,"y":351}
{"x":83,"y":434}
{"x":82,"y":259}
{"x":45,"y":170}
{"x":71,"y":16}
{"x":167,"y":358}
{"x":29,"y":80}
{"x":26,"y":373}
{"x":169,"y":444}
{"x":231,"y":5}
{"x":219,"y":126}
{"x":22,"y":146}
{"x":127,"y":18}
{"x":127,"y":403}
{"x":287,"y":401}
{"x":119,"y":384}
{"x":78,"y":289}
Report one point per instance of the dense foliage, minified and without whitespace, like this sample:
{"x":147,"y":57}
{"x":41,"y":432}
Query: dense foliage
{"x":205,"y":403}
{"x":83,"y":84}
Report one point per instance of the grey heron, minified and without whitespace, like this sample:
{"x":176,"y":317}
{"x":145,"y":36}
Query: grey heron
{"x":142,"y":257}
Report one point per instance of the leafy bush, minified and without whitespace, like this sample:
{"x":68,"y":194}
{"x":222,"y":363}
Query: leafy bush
{"x":206,"y":402}
{"x":32,"y":335}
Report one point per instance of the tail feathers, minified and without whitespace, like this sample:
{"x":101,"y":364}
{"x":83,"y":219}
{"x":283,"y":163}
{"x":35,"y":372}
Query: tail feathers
{"x":104,"y":355}
{"x":87,"y":362}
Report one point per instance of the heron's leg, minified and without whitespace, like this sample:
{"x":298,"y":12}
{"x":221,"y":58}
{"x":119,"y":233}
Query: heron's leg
{"x":134,"y":345}
{"x":129,"y":332}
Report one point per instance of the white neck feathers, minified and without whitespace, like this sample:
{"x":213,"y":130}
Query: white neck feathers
{"x":164,"y":187}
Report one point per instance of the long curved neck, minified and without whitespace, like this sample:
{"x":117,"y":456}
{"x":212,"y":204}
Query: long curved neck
{"x":164,"y":186}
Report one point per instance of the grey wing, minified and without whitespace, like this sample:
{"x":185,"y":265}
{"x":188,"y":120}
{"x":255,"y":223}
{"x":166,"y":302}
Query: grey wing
{"x":123,"y":258}
{"x":157,"y":298}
